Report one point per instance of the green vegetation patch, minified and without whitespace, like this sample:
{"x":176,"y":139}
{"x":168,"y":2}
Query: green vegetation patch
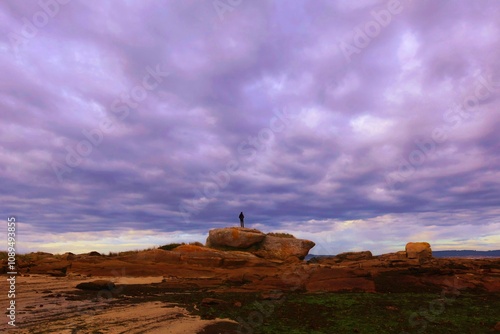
{"x":362,"y":313}
{"x":170,"y":246}
{"x":395,"y":313}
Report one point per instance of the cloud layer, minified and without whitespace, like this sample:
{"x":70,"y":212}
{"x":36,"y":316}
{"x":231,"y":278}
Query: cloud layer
{"x":324,"y":119}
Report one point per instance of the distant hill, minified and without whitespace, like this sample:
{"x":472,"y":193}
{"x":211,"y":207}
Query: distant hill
{"x":466,"y":253}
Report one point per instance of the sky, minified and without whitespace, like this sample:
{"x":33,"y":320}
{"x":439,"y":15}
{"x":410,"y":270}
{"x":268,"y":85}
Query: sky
{"x":360,"y":125}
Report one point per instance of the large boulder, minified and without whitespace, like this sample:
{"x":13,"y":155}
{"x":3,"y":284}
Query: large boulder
{"x":279,"y":248}
{"x":235,"y":237}
{"x":208,"y":257}
{"x":418,"y":251}
{"x":272,"y":246}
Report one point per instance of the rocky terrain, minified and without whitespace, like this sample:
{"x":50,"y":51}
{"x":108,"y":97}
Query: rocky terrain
{"x":81,"y":289}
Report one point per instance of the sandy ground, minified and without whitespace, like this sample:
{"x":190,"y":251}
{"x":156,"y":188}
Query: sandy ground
{"x":42,"y":307}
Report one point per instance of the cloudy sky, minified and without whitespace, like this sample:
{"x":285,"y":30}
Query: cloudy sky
{"x":356,"y":124}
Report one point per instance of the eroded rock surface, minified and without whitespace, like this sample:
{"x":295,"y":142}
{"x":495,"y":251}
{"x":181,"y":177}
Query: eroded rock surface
{"x":419,"y":250}
{"x":194,"y":266}
{"x":236,"y":237}
{"x":284,"y":248}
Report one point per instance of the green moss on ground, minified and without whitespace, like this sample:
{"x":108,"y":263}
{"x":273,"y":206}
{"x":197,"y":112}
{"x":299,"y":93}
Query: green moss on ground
{"x":363,"y":313}
{"x":341,"y":312}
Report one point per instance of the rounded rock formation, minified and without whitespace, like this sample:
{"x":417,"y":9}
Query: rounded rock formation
{"x":235,"y":237}
{"x":418,"y":250}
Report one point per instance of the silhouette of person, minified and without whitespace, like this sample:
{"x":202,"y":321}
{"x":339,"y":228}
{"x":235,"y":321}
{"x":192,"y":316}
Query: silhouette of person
{"x":242,"y":217}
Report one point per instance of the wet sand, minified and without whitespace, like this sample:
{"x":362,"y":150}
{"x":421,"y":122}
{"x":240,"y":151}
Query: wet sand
{"x":47,"y":305}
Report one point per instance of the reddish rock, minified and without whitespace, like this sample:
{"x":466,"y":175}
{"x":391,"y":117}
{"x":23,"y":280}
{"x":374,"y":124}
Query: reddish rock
{"x":236,"y":237}
{"x":353,"y":256}
{"x":197,"y":255}
{"x":236,"y":259}
{"x":398,"y":256}
{"x":271,"y":246}
{"x":284,"y":248}
{"x":160,"y":255}
{"x":191,"y":254}
{"x":195,"y":266}
{"x":418,"y":250}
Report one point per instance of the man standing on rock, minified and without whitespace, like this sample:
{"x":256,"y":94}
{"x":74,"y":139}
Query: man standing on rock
{"x":242,"y":217}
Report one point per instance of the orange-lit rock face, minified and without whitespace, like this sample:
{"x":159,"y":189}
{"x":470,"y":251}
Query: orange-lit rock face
{"x":196,"y":266}
{"x":284,"y":248}
{"x":275,"y":246}
{"x":236,"y":237}
{"x":418,"y":250}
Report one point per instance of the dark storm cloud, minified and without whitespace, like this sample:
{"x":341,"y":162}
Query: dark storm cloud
{"x":175,"y":116}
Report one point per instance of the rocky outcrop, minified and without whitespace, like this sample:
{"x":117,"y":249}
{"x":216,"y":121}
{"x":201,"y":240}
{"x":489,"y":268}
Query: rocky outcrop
{"x":343,"y":257}
{"x":208,"y":257}
{"x":354,"y":256}
{"x":271,"y":246}
{"x":194,"y":266}
{"x":235,"y":237}
{"x":197,"y":255}
{"x":284,"y":248}
{"x":420,"y":251}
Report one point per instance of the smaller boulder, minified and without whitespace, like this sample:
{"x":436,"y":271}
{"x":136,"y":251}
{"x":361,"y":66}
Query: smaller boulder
{"x":94,"y":253}
{"x":97,"y":285}
{"x":354,"y":256}
{"x":287,"y":249}
{"x":418,"y":251}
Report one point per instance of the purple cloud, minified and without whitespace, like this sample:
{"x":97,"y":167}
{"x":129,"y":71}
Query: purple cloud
{"x":173,"y":117}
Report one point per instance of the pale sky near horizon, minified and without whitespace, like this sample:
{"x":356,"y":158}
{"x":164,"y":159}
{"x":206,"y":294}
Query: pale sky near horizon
{"x":360,"y":125}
